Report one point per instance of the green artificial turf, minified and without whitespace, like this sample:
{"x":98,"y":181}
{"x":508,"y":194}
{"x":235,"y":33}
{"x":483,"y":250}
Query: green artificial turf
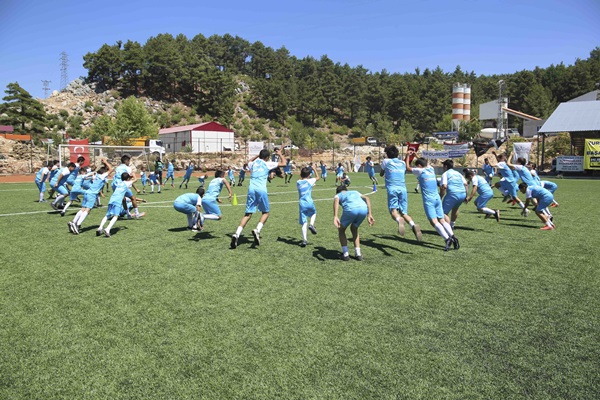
{"x":159,"y":312}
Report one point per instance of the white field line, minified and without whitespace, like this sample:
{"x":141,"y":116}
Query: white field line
{"x":155,"y":204}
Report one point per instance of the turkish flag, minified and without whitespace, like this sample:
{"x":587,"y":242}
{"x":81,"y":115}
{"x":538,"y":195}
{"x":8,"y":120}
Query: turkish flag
{"x":414,"y":147}
{"x":79,"y":148}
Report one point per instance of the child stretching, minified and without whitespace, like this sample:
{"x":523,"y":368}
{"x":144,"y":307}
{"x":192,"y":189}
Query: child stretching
{"x":190,"y":205}
{"x":306,"y":203}
{"x":115,"y":204}
{"x":356,"y":208}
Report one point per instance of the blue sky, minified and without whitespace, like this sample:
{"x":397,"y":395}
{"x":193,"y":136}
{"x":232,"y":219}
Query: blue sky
{"x":487,"y":37}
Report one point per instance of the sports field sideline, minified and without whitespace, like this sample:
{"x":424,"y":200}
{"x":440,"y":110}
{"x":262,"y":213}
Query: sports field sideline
{"x":156,"y":311}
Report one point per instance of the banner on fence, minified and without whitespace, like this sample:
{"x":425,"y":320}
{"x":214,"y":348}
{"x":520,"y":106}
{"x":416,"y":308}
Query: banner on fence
{"x":456,"y":146}
{"x":521,"y":149}
{"x":79,"y":148}
{"x":592,"y":154}
{"x":255,"y":147}
{"x":434,"y":154}
{"x":569,"y":163}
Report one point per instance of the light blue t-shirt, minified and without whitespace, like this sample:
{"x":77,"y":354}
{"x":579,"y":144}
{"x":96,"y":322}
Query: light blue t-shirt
{"x":97,"y":183}
{"x":188,"y":171}
{"x":506,"y":171}
{"x":121,"y":190}
{"x":214,"y":189}
{"x":488,"y":170}
{"x":351,"y":200}
{"x":323,"y":169}
{"x":188,"y":198}
{"x":482,"y":186}
{"x":259,"y":172}
{"x":65,"y":175}
{"x":455,"y":182}
{"x":170,"y":168}
{"x":118,"y":172}
{"x":73,"y":176}
{"x":42,"y":174}
{"x":395,"y":173}
{"x":525,"y":175}
{"x":305,"y":187}
{"x":428,"y":182}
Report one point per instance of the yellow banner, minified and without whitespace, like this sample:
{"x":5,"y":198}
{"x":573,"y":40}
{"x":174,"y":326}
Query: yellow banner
{"x":591,"y":156}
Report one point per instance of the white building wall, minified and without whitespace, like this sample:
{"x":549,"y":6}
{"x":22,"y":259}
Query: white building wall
{"x":211,"y":141}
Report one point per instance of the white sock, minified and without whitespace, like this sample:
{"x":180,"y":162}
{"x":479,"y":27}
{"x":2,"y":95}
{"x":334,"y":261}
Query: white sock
{"x":82,"y":217}
{"x":191,"y":219}
{"x":41,"y":196}
{"x":304,"y":231}
{"x":521,"y":204}
{"x":489,"y":211}
{"x":313,"y":219}
{"x":448,"y":228}
{"x":77,"y":217}
{"x":239,"y":230}
{"x":111,"y":223}
{"x":136,"y":211}
{"x":357,"y":250}
{"x":213,"y":217}
{"x":259,"y":226}
{"x":411,"y":223}
{"x":67,"y":206}
{"x":103,"y":222}
{"x":152,"y":188}
{"x":440,"y":229}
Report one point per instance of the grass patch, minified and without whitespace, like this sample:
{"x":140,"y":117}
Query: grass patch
{"x":156,"y":311}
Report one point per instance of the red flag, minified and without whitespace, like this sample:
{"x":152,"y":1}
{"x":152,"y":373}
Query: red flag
{"x":79,"y":148}
{"x":414,"y":147}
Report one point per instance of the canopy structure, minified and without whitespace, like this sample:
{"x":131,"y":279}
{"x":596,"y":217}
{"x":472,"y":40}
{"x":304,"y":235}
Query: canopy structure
{"x":576,"y":116}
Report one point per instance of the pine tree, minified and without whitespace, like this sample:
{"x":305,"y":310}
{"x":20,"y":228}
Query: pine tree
{"x":23,"y":112}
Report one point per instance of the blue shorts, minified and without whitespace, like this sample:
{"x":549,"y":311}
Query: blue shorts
{"x":354,"y":217}
{"x":397,"y":199}
{"x":144,"y":180}
{"x":153,"y":180}
{"x":75,"y":194}
{"x":544,"y":202}
{"x":211,"y":206}
{"x":114,"y":210}
{"x":452,"y":201}
{"x":305,"y":212}
{"x":257,"y":199}
{"x":187,"y":177}
{"x":483,"y":199}
{"x":170,"y":175}
{"x":339,"y":175}
{"x":371,"y":174}
{"x":89,"y":200}
{"x":433,"y":209}
{"x":185,"y":208}
{"x":41,"y":186}
{"x":549,"y":186}
{"x":62,"y":189}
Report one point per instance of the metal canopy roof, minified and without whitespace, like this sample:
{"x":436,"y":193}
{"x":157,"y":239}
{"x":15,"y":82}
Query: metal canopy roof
{"x":578,"y":116}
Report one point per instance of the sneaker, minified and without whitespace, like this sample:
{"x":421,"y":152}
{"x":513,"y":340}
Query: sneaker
{"x":417,"y":231}
{"x":143,"y":192}
{"x":234,"y":241}
{"x":42,"y":201}
{"x":256,"y":235}
{"x":359,"y":258}
{"x":106,"y":233}
{"x":70,"y":225}
{"x":304,"y":243}
{"x":312,"y":229}
{"x":140,"y":215}
{"x":448,"y":244}
{"x":505,"y":199}
{"x":344,"y":258}
{"x":455,"y":243}
{"x":554,"y":205}
{"x":77,"y":228}
{"x":98,"y":232}
{"x":194,"y":229}
{"x":54,"y":206}
{"x":547,"y":228}
{"x":416,"y":190}
{"x":487,"y":216}
{"x":497,"y":215}
{"x":62,"y":213}
{"x":401,"y":230}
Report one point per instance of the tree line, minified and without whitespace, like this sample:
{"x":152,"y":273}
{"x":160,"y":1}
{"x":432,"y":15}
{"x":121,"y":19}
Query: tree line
{"x":204,"y":72}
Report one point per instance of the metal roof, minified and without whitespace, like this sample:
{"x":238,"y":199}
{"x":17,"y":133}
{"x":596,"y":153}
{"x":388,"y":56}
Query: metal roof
{"x":578,"y":116}
{"x":208,"y":126}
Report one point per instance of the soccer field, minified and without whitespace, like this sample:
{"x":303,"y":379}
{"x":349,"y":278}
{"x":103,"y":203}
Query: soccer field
{"x":159,"y":312}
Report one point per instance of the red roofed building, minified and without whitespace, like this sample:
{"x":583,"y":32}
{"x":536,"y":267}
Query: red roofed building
{"x":207,"y":137}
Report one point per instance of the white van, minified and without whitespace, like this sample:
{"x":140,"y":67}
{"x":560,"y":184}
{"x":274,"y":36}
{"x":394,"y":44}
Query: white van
{"x":371,"y":141}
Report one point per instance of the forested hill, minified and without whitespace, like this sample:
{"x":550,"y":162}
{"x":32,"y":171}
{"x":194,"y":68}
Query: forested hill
{"x":205,"y":73}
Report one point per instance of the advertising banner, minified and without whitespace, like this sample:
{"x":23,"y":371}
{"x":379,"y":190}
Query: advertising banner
{"x":433,"y":154}
{"x":521,"y":149}
{"x":591,"y":154}
{"x":255,"y":147}
{"x":79,"y":148}
{"x":456,"y":146}
{"x":569,"y":163}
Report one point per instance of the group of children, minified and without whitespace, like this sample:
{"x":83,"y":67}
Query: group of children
{"x":442,"y":197}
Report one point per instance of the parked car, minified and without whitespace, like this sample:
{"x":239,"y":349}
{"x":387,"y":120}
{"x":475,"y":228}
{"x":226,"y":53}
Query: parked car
{"x":290,"y":147}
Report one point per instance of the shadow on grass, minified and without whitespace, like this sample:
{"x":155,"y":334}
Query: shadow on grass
{"x":383,"y":248}
{"x":410,"y":241}
{"x":523,"y":226}
{"x":321,"y":253}
{"x":202,"y":236}
{"x":289,"y":240}
{"x":182,"y":229}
